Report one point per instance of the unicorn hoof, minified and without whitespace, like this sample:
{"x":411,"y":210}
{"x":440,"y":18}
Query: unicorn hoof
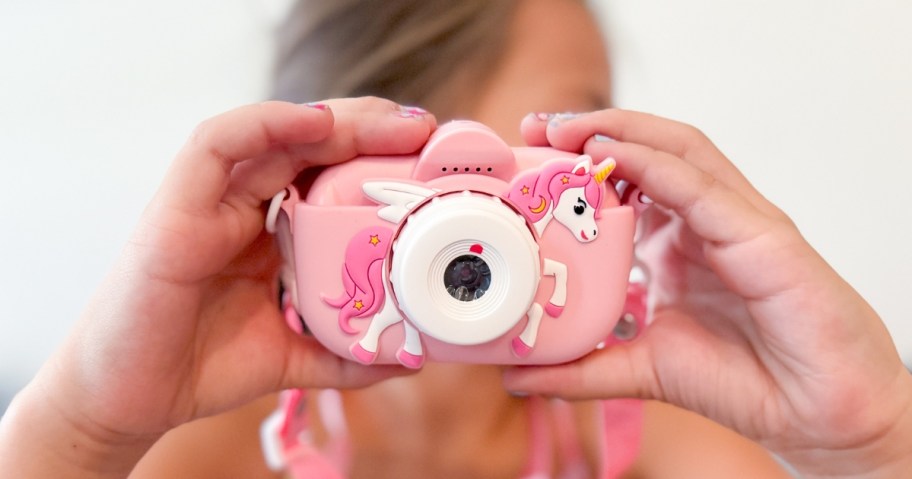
{"x":553,"y":310}
{"x":362,"y":355}
{"x":520,"y":349}
{"x":409,"y":360}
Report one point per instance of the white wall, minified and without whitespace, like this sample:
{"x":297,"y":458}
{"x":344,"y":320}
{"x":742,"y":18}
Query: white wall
{"x":96,"y":96}
{"x":812,"y":99}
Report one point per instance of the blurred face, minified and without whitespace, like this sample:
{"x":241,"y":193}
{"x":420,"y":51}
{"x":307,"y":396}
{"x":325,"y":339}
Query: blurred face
{"x":555,"y":61}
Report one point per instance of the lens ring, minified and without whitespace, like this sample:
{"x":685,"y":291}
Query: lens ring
{"x":454,"y":226}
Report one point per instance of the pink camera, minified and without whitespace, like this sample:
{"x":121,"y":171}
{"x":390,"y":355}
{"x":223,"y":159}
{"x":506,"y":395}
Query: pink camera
{"x":470,"y":251}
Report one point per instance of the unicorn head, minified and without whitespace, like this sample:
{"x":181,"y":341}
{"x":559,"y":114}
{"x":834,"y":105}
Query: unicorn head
{"x":568,"y":192}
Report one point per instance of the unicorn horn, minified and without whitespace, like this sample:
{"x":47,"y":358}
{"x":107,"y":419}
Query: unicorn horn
{"x":606,"y":170}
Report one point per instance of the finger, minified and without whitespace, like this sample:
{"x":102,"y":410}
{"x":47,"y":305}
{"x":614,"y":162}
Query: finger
{"x":571,"y":132}
{"x":367,"y":126}
{"x":201,"y":172}
{"x":534,"y":127}
{"x":372,"y":126}
{"x":682,"y":359}
{"x":712,"y":209}
{"x":313,"y":366}
{"x":741,"y":240}
{"x":658,"y":133}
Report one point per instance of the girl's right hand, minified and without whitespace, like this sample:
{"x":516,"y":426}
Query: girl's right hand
{"x":186,"y":325}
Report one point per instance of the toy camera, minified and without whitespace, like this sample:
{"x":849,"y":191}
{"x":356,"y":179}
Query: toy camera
{"x":470,"y":251}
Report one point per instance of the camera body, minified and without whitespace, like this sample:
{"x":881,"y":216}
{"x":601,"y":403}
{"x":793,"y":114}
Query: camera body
{"x":469,"y":251}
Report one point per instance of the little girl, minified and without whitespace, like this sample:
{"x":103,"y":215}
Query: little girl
{"x":752,"y":328}
{"x":455,"y":420}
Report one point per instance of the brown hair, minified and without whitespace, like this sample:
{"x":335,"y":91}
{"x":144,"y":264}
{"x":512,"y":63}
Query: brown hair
{"x":415,"y":52}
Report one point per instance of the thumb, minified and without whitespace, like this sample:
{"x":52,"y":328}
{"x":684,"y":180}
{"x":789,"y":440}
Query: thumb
{"x":622,"y":370}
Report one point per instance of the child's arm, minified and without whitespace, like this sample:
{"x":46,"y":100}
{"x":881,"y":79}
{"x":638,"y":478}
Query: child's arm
{"x":752,"y":327}
{"x":186,"y":324}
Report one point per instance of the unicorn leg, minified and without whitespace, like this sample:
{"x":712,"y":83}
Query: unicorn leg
{"x":523,"y":344}
{"x":412,"y":354}
{"x":559,"y":298}
{"x":365,"y":350}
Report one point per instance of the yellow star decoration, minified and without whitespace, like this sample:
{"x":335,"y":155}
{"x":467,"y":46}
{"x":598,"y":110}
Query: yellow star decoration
{"x":358,"y":304}
{"x":565,"y":180}
{"x":375,"y":240}
{"x":525,"y":190}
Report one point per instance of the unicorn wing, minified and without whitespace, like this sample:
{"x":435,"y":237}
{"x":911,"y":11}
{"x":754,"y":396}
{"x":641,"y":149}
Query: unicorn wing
{"x":399,"y":197}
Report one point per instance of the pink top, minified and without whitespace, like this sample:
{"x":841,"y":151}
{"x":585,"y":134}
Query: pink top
{"x":295,"y":452}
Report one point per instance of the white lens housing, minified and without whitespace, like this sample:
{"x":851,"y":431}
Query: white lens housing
{"x":452,"y":226}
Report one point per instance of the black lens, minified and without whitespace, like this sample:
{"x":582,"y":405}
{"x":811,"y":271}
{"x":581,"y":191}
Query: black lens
{"x":467,"y":278}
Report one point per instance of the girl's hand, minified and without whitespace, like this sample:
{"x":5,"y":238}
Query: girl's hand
{"x":752,"y":328}
{"x":187,"y":325}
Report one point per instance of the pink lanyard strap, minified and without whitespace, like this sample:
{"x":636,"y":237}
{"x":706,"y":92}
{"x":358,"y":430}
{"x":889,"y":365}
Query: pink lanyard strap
{"x":540,"y":461}
{"x":288,"y":442}
{"x":621,"y":422}
{"x":622,"y":426}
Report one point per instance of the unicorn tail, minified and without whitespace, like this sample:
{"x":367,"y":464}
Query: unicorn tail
{"x":345,"y":316}
{"x":338,"y":302}
{"x":344,"y":313}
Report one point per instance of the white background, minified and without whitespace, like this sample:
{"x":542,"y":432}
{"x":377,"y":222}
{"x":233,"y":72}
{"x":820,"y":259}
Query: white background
{"x":813,"y":100}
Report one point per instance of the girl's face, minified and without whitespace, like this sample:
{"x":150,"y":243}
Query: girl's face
{"x":555,"y":61}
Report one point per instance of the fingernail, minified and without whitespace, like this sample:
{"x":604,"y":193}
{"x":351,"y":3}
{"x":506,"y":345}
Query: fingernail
{"x":518,"y":394}
{"x":604,"y":139}
{"x":318,"y":106}
{"x":542,"y":116}
{"x":410,"y":112}
{"x":415,"y":110}
{"x":562,"y":117}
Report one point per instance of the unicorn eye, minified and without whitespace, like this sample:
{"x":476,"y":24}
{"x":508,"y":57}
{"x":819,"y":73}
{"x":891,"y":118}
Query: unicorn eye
{"x":579,"y":207}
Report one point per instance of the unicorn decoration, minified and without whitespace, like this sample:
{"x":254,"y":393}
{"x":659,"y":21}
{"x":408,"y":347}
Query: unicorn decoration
{"x":573,"y":197}
{"x":568,"y":191}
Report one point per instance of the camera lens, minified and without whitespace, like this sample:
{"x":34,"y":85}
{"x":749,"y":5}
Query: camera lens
{"x":487,"y":258}
{"x":467,"y":278}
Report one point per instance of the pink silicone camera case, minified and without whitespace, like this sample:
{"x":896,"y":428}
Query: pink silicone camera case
{"x":369,"y":252}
